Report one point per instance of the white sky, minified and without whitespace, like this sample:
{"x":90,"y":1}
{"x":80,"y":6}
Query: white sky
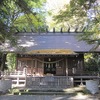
{"x":56,"y":5}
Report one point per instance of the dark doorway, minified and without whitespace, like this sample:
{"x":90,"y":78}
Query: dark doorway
{"x":49,"y":66}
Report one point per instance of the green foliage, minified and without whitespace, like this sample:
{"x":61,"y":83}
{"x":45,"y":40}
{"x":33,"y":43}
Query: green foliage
{"x":76,"y":15}
{"x":11,"y":61}
{"x":92,"y":62}
{"x":32,"y":20}
{"x":73,"y":15}
{"x":14,"y":91}
{"x":19,"y":14}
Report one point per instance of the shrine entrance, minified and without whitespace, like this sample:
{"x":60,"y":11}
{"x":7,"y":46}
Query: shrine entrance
{"x":49,"y":66}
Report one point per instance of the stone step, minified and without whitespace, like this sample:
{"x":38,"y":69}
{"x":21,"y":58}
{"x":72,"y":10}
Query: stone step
{"x":29,"y":90}
{"x":40,"y":93}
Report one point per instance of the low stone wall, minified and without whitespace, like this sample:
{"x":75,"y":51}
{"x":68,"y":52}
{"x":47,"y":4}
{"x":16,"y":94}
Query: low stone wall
{"x":5,"y":85}
{"x":49,"y":82}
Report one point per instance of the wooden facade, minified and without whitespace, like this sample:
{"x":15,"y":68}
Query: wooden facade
{"x":56,"y":65}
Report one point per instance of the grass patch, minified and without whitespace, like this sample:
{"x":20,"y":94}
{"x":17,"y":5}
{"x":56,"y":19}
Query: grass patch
{"x":85,"y":92}
{"x":14,"y":91}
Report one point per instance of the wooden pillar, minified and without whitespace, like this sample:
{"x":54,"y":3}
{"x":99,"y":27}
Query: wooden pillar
{"x":36,"y":66}
{"x":31,"y":66}
{"x":66,"y":65}
{"x":16,"y":63}
{"x":3,"y":62}
{"x":43,"y":67}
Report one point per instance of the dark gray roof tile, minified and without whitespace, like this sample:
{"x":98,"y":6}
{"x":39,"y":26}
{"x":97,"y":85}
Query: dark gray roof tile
{"x":34,"y":41}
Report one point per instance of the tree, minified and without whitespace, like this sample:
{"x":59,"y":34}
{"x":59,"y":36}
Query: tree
{"x":92,"y":62}
{"x":80,"y":14}
{"x":16,"y":14}
{"x":11,"y":61}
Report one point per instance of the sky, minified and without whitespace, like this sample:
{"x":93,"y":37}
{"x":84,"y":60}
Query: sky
{"x":54,"y":6}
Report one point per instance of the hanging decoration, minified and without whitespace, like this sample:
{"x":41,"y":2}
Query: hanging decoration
{"x":48,"y":62}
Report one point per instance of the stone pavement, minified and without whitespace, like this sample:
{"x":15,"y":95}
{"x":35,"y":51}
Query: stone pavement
{"x":48,"y":97}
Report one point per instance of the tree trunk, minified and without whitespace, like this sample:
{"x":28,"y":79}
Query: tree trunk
{"x":3,"y":61}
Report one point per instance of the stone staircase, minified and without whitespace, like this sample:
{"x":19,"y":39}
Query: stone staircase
{"x":68,"y":91}
{"x":39,"y":92}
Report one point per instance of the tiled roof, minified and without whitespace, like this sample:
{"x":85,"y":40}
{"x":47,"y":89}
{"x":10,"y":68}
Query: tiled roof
{"x":34,"y":41}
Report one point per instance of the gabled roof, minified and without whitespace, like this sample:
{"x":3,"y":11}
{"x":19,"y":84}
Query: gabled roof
{"x":46,"y":41}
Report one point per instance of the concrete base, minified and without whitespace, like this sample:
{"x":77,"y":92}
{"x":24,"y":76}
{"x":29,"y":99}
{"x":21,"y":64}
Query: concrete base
{"x":5,"y":85}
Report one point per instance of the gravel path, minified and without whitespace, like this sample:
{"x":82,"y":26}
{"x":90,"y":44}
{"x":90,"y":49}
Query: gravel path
{"x":47,"y":97}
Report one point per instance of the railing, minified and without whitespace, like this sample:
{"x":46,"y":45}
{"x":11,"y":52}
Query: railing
{"x":82,"y":79}
{"x":6,"y":73}
{"x":18,"y":78}
{"x":49,"y":82}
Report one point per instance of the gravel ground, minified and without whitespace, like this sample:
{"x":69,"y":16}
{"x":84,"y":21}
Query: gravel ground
{"x":48,"y":97}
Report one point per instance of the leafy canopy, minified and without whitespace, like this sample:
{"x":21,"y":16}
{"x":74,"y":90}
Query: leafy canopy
{"x":19,"y":14}
{"x":80,"y":14}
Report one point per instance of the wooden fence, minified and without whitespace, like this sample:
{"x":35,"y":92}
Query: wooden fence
{"x":49,"y":82}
